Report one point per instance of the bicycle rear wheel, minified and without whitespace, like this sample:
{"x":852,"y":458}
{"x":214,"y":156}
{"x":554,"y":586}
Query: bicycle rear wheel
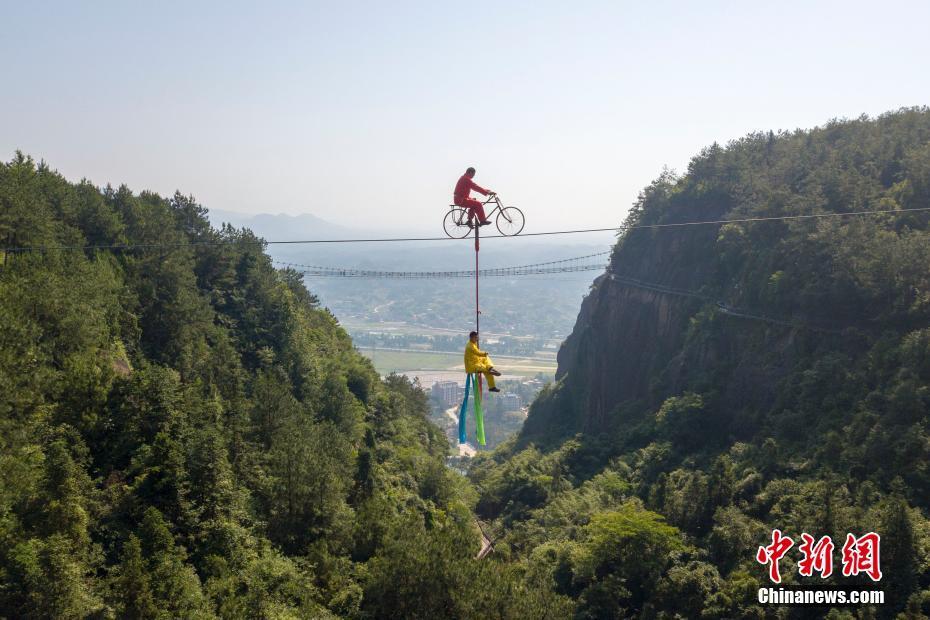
{"x":510,"y":221}
{"x":456,"y":223}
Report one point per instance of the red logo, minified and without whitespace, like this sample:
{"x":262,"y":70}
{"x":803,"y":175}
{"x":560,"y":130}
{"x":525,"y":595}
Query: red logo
{"x":774,"y":552}
{"x":860,"y":555}
{"x":817,"y":557}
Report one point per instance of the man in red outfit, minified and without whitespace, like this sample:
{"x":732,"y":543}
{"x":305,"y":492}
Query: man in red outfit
{"x":462,"y":197}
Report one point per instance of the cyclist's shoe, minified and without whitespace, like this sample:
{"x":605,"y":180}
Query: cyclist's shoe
{"x":494,"y":389}
{"x":485,"y":223}
{"x":494,"y":372}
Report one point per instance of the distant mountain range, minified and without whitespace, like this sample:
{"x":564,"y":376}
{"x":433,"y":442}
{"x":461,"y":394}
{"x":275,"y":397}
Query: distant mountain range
{"x":282,"y":226}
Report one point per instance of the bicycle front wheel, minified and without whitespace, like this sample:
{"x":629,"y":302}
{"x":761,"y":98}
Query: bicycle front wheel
{"x":456,"y":223}
{"x":510,"y":221}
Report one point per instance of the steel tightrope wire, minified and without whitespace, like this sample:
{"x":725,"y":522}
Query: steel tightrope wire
{"x":615,"y":229}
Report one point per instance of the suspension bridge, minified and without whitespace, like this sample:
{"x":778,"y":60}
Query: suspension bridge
{"x":565,"y":265}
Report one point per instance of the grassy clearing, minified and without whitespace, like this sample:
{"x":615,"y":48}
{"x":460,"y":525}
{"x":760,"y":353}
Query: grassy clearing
{"x":402,"y":361}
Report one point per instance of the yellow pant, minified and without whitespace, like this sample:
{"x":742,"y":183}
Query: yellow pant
{"x":483,"y":367}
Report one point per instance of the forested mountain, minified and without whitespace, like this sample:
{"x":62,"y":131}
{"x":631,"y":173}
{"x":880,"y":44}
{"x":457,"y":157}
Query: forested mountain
{"x":725,"y":380}
{"x":184,"y":433}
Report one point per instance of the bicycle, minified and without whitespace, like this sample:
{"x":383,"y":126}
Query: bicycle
{"x":509,"y":220}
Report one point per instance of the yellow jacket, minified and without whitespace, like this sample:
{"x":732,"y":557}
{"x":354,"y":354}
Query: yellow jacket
{"x":476,"y":360}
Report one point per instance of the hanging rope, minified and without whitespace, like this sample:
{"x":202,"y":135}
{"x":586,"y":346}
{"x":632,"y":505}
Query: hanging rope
{"x":477,"y":307}
{"x":474,"y":380}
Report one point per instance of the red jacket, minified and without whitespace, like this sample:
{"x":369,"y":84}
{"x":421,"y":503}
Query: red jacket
{"x":463,"y":189}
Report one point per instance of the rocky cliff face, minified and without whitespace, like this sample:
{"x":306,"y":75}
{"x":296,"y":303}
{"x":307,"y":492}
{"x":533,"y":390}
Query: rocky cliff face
{"x":626,"y":334}
{"x":641,"y":336}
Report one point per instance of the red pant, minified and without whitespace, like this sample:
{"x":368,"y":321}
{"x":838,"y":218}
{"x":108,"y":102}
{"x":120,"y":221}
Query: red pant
{"x":474,"y":207}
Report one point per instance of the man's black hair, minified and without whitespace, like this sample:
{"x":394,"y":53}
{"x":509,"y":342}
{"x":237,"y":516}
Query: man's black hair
{"x":470,"y":169}
{"x":470,"y":334}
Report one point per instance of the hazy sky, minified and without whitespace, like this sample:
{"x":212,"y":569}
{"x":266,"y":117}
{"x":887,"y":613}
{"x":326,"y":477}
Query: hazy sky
{"x":369,"y":112}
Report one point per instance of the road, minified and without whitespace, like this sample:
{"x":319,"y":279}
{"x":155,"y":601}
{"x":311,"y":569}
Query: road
{"x":464,"y":448}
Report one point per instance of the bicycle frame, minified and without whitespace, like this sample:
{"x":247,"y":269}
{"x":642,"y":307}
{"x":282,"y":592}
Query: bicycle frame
{"x":494,"y":198}
{"x":497,"y":201}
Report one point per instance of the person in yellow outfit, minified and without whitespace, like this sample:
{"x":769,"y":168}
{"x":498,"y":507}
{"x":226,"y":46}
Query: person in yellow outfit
{"x":477,"y":360}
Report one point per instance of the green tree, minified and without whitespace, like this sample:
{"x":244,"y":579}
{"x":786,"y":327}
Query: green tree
{"x":624,"y":554}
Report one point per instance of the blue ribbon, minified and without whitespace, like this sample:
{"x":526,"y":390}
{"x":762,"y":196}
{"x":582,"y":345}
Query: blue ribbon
{"x":462,"y":436}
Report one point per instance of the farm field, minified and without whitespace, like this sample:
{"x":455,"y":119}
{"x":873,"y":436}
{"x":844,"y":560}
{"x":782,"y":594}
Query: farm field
{"x":440,"y":362}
